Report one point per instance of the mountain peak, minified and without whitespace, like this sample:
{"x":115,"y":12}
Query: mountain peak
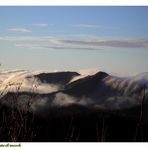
{"x":57,"y":77}
{"x":101,"y":74}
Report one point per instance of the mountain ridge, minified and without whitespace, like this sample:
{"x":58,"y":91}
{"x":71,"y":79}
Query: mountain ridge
{"x":100,"y":90}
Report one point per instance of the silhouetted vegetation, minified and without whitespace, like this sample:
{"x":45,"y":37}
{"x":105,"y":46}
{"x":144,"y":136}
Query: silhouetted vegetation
{"x":71,"y":124}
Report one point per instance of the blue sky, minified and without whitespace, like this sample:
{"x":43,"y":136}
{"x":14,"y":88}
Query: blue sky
{"x":113,"y":39}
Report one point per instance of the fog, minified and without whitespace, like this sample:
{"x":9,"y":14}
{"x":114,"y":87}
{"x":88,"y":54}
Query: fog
{"x":38,"y":97}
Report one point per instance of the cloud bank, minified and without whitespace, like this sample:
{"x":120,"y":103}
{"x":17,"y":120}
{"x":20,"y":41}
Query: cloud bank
{"x":122,"y":92}
{"x":23,"y":81}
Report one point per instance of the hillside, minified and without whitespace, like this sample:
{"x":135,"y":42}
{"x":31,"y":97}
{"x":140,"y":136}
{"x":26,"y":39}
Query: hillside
{"x":53,"y":107}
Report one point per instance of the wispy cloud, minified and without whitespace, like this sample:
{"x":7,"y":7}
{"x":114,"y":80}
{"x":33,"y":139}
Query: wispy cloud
{"x":54,"y":47}
{"x":81,"y":42}
{"x":20,"y":30}
{"x":85,"y":72}
{"x":138,"y":43}
{"x":25,"y":38}
{"x":29,"y":45}
{"x":40,"y":24}
{"x":89,"y":26}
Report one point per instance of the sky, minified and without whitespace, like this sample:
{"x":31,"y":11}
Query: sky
{"x":57,"y":38}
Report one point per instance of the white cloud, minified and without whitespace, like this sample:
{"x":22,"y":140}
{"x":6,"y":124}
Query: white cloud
{"x":88,"y":71}
{"x":85,"y":72}
{"x":30,"y":45}
{"x":40,"y":24}
{"x":54,"y":47}
{"x":26,"y":81}
{"x":20,"y":30}
{"x":88,"y":26}
{"x":25,"y":38}
{"x":62,"y":99}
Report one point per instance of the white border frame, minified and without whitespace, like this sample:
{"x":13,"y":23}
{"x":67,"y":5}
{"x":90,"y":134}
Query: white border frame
{"x":74,"y":2}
